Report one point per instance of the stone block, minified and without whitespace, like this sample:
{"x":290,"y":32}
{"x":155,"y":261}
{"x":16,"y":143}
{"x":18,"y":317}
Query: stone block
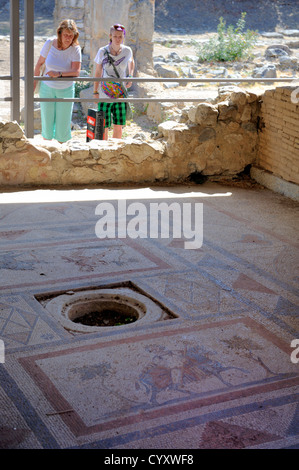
{"x":204,"y":114}
{"x":164,"y":72}
{"x":10,"y":130}
{"x":159,"y":112}
{"x":207,"y":134}
{"x":165,"y":127}
{"x":227,"y":111}
{"x":238,"y":98}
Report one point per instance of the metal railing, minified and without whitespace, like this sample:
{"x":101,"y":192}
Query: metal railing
{"x":29,"y":122}
{"x":29,"y":78}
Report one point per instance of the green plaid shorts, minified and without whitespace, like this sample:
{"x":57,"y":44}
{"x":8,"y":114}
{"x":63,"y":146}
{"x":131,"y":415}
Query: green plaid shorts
{"x":118,"y":111}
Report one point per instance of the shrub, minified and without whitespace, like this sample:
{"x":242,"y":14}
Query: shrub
{"x":79,"y":86}
{"x":231,"y":43}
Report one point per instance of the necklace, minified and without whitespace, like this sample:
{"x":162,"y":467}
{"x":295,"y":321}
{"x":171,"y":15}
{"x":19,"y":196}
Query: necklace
{"x":113,"y":51}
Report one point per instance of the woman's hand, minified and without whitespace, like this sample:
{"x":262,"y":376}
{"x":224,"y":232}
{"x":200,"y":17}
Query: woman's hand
{"x":129,"y":84}
{"x":53,"y":74}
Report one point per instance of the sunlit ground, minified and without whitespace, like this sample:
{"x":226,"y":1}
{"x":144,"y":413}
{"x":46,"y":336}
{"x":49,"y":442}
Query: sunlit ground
{"x":42,"y":26}
{"x":51,"y":195}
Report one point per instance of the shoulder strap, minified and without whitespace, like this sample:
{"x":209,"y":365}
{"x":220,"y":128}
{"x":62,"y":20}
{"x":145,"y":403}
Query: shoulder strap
{"x":111,"y":62}
{"x":51,"y":44}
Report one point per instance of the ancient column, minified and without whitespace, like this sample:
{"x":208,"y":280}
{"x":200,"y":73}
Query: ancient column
{"x":138,"y":18}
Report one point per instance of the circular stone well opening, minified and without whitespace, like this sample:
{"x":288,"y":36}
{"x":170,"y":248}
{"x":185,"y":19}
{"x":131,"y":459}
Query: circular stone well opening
{"x":90,"y":310}
{"x":106,"y":313}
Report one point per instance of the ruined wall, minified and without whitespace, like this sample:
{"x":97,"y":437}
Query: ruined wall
{"x":278,"y":144}
{"x":214,"y":139}
{"x":35,"y":163}
{"x":217,"y":139}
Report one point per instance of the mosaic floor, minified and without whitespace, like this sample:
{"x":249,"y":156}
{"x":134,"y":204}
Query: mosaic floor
{"x":220,"y":374}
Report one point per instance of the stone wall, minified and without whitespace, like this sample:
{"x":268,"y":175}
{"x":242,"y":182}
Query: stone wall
{"x":216,"y":139}
{"x":278,"y":144}
{"x":33,"y":163}
{"x":21,"y":161}
{"x":211,"y":139}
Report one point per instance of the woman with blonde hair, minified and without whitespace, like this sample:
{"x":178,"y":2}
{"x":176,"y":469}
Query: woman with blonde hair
{"x":62,"y":58}
{"x":115,"y":60}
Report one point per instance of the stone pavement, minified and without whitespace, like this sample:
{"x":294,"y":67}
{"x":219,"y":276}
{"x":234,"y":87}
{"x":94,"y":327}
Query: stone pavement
{"x":220,"y":372}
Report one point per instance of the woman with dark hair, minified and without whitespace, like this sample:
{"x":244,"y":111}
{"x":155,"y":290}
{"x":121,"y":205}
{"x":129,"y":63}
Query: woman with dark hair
{"x":115,"y":60}
{"x":62,"y":58}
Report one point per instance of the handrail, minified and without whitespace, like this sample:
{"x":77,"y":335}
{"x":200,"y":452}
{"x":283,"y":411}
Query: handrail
{"x":161,"y":79}
{"x":144,"y":80}
{"x":154,"y":79}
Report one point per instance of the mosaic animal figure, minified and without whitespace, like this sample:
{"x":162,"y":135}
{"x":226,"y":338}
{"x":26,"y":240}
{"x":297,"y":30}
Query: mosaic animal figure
{"x":209,"y":367}
{"x":155,"y":379}
{"x":173,"y":370}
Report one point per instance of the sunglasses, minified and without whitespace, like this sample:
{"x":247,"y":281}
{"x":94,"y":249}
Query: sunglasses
{"x":119,"y":27}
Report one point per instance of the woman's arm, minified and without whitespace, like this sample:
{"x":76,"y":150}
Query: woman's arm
{"x":74,"y":72}
{"x":39,"y":63}
{"x":131,"y":67}
{"x":98,"y":74}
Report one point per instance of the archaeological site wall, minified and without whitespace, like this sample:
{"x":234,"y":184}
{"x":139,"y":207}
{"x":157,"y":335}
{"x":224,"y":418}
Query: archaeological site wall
{"x":278,"y":144}
{"x":220,"y":139}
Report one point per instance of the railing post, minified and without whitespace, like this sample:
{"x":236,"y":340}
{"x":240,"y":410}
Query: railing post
{"x":29,"y":68}
{"x":15,"y":60}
